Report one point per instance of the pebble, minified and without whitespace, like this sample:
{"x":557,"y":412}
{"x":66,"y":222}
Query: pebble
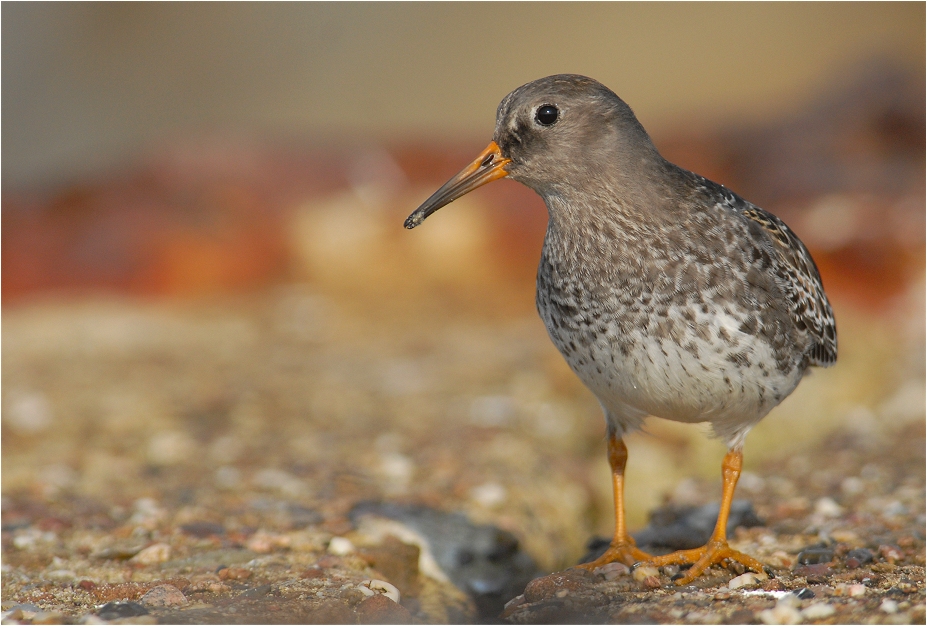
{"x":611,"y":571}
{"x":643,"y":572}
{"x":546,"y":587}
{"x":652,"y":582}
{"x":819,"y":610}
{"x":340,"y":546}
{"x":163,"y":595}
{"x":750,"y":579}
{"x":859,"y":556}
{"x":119,"y":610}
{"x":671,"y":570}
{"x":853,"y":591}
{"x":889,"y":606}
{"x":890,"y":553}
{"x":387,"y":589}
{"x":827,"y":507}
{"x":155,"y":553}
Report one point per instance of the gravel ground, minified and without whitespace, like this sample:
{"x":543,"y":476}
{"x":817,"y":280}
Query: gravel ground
{"x":305,"y":456}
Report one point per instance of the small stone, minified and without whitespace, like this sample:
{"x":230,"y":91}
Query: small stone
{"x":234,"y":573}
{"x":153,"y":554}
{"x":858,"y":557}
{"x":652,"y":582}
{"x":340,"y":546}
{"x":804,"y":594}
{"x":163,"y":595}
{"x":671,"y":570}
{"x":815,"y":574}
{"x":827,"y":507}
{"x":889,"y":606}
{"x":819,"y":610}
{"x":86,"y":585}
{"x":750,"y":579}
{"x":546,"y":587}
{"x":890,"y":553}
{"x":611,"y":571}
{"x":387,"y":589}
{"x":722,"y":595}
{"x":119,"y":610}
{"x":906,"y":586}
{"x":643,"y":572}
{"x":773,"y":584}
{"x":852,"y":591}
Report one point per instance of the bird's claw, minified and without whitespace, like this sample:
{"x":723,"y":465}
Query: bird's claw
{"x":713,"y":553}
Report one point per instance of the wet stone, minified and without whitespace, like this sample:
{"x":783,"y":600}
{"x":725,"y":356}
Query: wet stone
{"x":858,"y":557}
{"x":119,"y":610}
{"x":163,"y":595}
{"x":805,"y":594}
{"x":547,"y":587}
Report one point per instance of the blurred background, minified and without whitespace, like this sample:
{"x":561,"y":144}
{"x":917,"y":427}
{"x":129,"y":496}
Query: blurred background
{"x":207,"y":288}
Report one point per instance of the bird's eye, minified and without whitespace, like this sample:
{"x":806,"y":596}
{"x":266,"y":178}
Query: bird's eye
{"x":547,"y":114}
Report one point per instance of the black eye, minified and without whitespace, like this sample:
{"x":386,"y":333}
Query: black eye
{"x":547,"y":114}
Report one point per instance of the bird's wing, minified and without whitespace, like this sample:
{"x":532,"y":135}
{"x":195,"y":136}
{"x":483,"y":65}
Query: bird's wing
{"x":804,"y":290}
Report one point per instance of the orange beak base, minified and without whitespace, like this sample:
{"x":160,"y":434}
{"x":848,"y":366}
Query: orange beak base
{"x":487,"y":167}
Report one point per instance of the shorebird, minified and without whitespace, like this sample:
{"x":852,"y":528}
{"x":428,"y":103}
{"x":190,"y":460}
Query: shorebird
{"x":667,"y":294}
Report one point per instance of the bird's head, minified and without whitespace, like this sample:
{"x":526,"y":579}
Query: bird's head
{"x":553,"y":134}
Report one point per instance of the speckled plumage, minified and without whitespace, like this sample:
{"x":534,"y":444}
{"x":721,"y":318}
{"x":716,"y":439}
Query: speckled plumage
{"x":666,"y":293}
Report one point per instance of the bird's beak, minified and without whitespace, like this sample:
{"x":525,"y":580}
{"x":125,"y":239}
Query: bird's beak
{"x":487,"y":167}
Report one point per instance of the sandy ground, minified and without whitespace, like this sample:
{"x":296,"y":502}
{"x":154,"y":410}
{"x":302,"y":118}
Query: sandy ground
{"x":219,"y":447}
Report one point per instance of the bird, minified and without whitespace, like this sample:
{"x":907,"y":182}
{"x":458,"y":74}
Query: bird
{"x":667,"y":294}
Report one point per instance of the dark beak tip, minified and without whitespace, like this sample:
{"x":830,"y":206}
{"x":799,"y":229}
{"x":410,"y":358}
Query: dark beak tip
{"x":412,"y":221}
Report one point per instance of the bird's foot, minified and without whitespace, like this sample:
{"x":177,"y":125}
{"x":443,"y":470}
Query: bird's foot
{"x":619,"y":551}
{"x":702,"y":558}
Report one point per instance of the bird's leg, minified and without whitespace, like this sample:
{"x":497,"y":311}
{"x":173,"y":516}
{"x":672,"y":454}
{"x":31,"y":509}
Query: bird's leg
{"x":622,"y":548}
{"x":717,"y":549}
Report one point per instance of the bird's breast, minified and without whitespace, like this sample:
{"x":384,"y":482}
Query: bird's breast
{"x":639,"y":347}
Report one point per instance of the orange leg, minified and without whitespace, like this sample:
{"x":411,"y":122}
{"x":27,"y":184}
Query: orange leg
{"x":623,"y":548}
{"x":717,"y":549}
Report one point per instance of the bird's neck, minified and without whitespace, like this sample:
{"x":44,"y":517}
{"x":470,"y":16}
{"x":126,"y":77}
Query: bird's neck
{"x":626,"y":200}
